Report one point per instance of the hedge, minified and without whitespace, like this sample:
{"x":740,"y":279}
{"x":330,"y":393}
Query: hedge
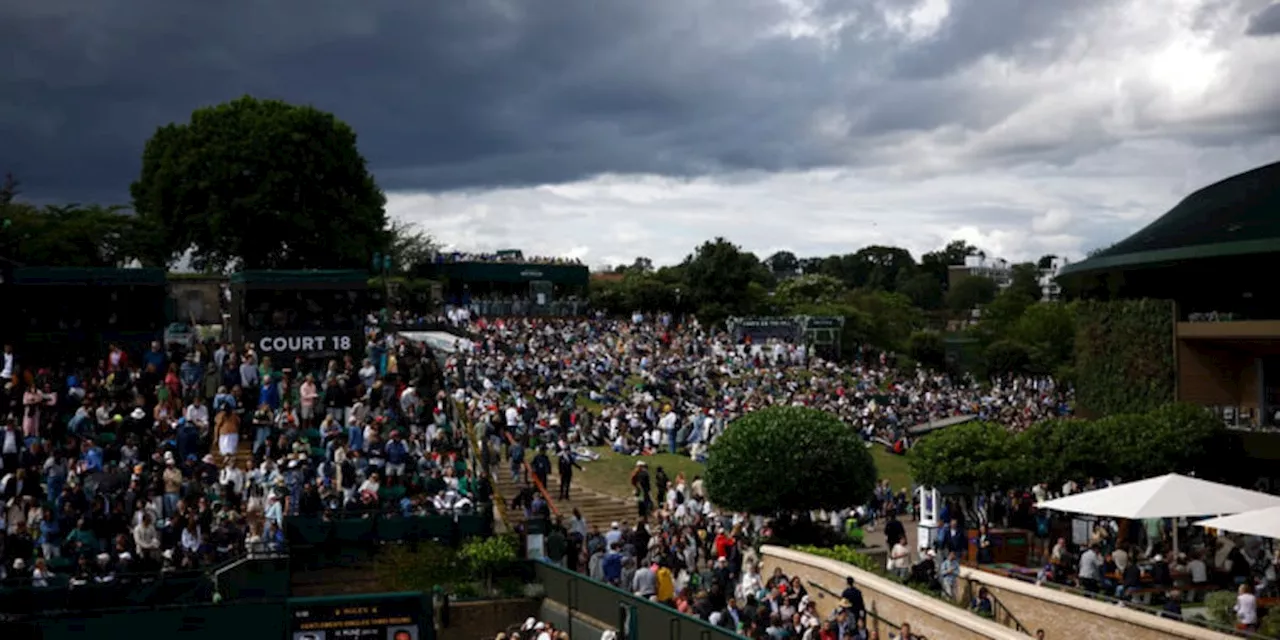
{"x":1124,"y":361}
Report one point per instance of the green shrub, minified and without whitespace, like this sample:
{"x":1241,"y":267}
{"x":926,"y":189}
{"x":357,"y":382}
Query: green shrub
{"x":487,"y":556}
{"x":1269,"y":625}
{"x":1221,"y":605}
{"x":847,"y":555}
{"x":418,"y":567}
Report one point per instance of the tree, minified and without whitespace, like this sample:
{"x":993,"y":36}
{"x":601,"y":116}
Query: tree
{"x":1046,"y":261}
{"x":927,"y":348}
{"x":789,"y":459}
{"x":973,"y":458}
{"x":411,"y":247}
{"x":261,"y":184}
{"x":1006,"y":357}
{"x":718,"y":274}
{"x":883,"y":266}
{"x":922,"y":288}
{"x":1049,"y":331}
{"x":938,"y":263}
{"x":783,"y":264}
{"x":810,"y":289}
{"x":73,"y":236}
{"x":971,"y":292}
{"x":1025,"y":280}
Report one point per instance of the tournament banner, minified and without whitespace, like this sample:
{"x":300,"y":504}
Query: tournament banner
{"x":761,"y":329}
{"x":399,"y":616}
{"x":306,"y":344}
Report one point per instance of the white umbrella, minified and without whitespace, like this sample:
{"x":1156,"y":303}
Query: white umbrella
{"x":1170,"y":496}
{"x":1259,"y":522}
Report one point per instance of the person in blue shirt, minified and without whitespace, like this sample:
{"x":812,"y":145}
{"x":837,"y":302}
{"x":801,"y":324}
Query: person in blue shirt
{"x":91,"y":455}
{"x":611,"y":566}
{"x":397,"y":455}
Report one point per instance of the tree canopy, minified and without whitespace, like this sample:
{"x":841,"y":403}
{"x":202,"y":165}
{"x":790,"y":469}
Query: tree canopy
{"x":260,"y":184}
{"x":789,"y":459}
{"x":980,"y":456}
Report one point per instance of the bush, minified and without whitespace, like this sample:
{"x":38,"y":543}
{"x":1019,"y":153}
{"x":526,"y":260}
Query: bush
{"x":487,"y":556}
{"x":1221,"y":607}
{"x":847,"y":555}
{"x":789,"y":459}
{"x":1269,"y":625}
{"x":418,"y":567}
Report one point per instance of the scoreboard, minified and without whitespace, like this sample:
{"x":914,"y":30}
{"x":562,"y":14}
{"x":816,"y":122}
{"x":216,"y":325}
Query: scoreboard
{"x":400,"y":616}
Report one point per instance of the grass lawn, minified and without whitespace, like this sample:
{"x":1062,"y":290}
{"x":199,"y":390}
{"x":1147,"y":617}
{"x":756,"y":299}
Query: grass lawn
{"x":891,"y":467}
{"x":610,"y":474}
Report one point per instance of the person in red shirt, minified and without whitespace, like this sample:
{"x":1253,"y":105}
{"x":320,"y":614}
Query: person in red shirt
{"x":724,"y":544}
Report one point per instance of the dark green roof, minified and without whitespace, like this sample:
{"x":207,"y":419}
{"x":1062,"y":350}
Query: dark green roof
{"x":302,"y":276}
{"x":1239,"y":216}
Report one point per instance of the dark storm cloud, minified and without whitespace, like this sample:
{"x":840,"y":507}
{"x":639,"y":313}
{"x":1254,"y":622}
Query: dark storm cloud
{"x":483,"y":93}
{"x":1265,"y":22}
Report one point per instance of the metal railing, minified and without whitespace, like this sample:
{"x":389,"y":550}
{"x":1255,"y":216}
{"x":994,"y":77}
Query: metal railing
{"x":872,"y":613}
{"x":1137,"y":606}
{"x":465,"y":422}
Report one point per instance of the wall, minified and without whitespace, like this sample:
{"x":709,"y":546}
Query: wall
{"x":1065,"y":615}
{"x":1213,"y":376}
{"x":891,"y":601}
{"x":198,"y":298}
{"x":472,"y":620}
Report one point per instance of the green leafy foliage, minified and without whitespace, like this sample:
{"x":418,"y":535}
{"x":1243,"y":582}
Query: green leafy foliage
{"x":1220,"y":605}
{"x":927,"y":348}
{"x":486,"y":557}
{"x":978,"y":456}
{"x":970,"y":292}
{"x":789,"y":459}
{"x":73,"y":235}
{"x":1123,"y":356}
{"x":1175,"y":438}
{"x":846,"y":554}
{"x":419,"y":568}
{"x":261,"y":184}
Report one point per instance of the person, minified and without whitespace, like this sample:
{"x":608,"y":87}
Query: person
{"x":567,"y":462}
{"x":1172,"y":606}
{"x":851,"y":600}
{"x":1246,"y":608}
{"x":949,"y":574}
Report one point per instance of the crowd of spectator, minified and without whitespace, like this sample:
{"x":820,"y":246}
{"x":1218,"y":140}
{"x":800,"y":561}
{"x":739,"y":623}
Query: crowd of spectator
{"x":510,"y":257}
{"x":168,"y":461}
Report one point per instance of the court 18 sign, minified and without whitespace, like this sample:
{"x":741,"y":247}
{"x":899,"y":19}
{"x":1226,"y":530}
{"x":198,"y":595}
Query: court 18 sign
{"x":304,"y":344}
{"x":396,"y":618}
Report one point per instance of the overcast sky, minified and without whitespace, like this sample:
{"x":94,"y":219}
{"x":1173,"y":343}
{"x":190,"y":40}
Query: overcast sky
{"x":611,"y":129}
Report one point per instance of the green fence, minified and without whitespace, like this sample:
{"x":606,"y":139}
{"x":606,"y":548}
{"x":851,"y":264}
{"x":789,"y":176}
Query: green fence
{"x":633,"y":617}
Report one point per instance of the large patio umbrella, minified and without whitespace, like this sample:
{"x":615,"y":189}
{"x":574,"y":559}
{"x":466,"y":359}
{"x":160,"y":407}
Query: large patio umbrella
{"x":1169,"y":496}
{"x":1259,"y":522}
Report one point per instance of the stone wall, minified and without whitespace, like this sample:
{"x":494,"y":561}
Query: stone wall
{"x":890,"y":601}
{"x":1066,"y":615}
{"x":476,"y":620}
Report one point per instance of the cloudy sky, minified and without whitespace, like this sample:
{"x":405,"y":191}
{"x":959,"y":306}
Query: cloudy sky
{"x":611,"y":129}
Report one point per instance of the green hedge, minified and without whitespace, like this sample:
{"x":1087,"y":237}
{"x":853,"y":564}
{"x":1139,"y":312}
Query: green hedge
{"x":1124,"y":361}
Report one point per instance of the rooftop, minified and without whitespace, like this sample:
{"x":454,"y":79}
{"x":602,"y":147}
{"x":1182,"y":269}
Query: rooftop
{"x":1237,"y":217}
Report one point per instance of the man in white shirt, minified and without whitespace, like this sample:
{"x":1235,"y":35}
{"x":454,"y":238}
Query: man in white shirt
{"x":1090,"y":573}
{"x":7,"y":370}
{"x":198,"y":414}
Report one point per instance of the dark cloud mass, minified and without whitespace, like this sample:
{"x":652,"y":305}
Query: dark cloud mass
{"x":484,"y":93}
{"x":1265,"y":22}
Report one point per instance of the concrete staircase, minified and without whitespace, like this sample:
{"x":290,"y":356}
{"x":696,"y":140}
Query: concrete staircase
{"x":597,"y":508}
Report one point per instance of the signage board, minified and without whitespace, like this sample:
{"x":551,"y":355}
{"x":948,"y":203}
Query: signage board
{"x":401,"y":616}
{"x":305,"y":344}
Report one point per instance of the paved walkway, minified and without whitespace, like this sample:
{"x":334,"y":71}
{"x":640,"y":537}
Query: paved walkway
{"x":876,"y":538}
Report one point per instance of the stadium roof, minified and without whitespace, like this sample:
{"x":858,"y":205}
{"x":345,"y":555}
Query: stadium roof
{"x":1237,"y":217}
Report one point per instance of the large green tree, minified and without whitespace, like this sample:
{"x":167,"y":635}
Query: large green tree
{"x":789,"y":460}
{"x":72,"y":236}
{"x":261,"y":184}
{"x":723,"y":280}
